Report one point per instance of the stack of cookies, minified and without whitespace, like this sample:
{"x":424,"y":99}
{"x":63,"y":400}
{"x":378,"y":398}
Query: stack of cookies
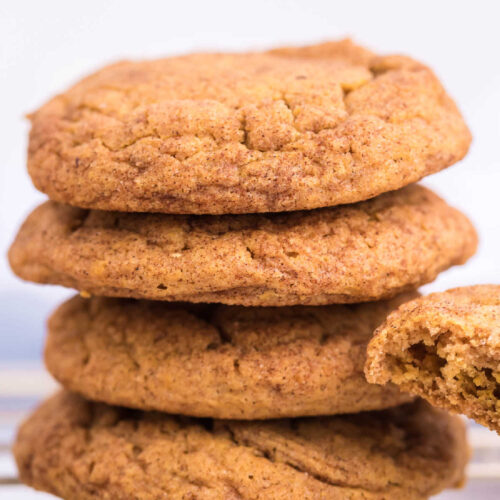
{"x":238,"y":225}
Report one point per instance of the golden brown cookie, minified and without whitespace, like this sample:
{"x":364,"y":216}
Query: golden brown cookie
{"x":290,"y":129}
{"x":219,"y":361}
{"x":367,"y":251}
{"x":81,"y":450}
{"x":446,"y":348}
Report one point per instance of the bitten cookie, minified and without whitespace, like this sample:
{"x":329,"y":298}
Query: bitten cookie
{"x":446,"y":348}
{"x":367,"y":251}
{"x":81,"y":450}
{"x":219,"y":361}
{"x":290,"y":129}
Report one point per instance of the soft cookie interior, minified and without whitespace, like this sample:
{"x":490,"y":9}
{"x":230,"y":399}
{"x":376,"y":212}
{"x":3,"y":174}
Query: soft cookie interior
{"x":438,"y":364}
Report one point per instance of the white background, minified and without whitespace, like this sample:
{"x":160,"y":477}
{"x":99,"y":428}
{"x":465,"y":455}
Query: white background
{"x":47,"y":45}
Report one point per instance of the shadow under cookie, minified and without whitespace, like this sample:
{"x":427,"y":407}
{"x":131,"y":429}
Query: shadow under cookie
{"x":353,"y":253}
{"x":82,"y":450}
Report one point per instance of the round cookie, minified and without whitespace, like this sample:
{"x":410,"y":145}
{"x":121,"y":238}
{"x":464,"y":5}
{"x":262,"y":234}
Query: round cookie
{"x":367,"y":251}
{"x":291,"y":129}
{"x":219,"y":361}
{"x":83,"y":451}
{"x":445,"y":347}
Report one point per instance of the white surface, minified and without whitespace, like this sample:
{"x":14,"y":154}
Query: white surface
{"x":23,"y":493}
{"x":22,"y":380}
{"x":473,"y":491}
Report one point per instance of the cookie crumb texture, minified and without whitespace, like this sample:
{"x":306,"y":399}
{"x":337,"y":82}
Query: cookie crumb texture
{"x":446,"y":348}
{"x":290,"y":129}
{"x":81,"y":450}
{"x":219,"y":361}
{"x":367,"y":251}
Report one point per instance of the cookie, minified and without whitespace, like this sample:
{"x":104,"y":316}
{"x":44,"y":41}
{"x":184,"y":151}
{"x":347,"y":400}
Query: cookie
{"x":367,"y":251}
{"x":81,"y":450}
{"x":290,"y":129}
{"x":446,"y":348}
{"x":219,"y":361}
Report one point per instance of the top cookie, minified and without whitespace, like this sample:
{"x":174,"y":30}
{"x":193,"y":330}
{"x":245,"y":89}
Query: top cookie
{"x":446,"y":348}
{"x":289,"y":129}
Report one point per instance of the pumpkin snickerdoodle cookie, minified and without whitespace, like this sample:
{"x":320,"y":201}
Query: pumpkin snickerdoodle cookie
{"x":290,"y":129}
{"x":446,"y":348}
{"x":219,"y":361}
{"x":366,"y":251}
{"x":83,"y":451}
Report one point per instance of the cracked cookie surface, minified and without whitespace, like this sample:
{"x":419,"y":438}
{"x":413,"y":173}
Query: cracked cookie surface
{"x":366,"y":251}
{"x":290,"y":129}
{"x":445,"y":347}
{"x":81,"y":450}
{"x":219,"y":361}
